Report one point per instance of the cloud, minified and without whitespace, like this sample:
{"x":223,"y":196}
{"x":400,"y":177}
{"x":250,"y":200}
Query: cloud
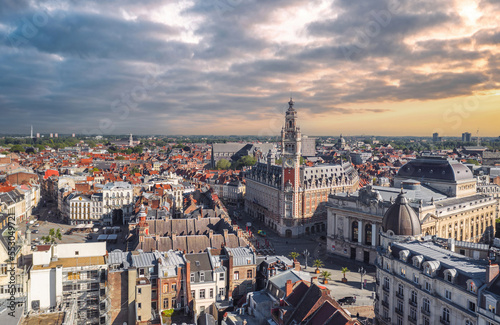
{"x":194,"y":66}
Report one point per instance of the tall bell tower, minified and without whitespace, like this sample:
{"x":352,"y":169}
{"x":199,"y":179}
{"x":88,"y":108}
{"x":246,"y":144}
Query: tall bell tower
{"x":290,"y":153}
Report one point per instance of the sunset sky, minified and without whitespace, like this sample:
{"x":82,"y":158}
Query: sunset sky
{"x":372,"y":67}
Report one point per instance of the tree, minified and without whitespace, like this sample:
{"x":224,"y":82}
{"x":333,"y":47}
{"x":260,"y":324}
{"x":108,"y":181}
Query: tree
{"x":294,"y":255}
{"x":17,"y":148}
{"x":120,"y":158}
{"x":134,"y":170}
{"x":52,"y":236}
{"x":317,"y":264}
{"x":326,"y":276}
{"x":344,"y":270}
{"x":223,"y":164}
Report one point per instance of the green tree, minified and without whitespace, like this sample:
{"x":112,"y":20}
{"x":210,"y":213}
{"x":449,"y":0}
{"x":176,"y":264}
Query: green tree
{"x":317,"y":264}
{"x":137,"y":149}
{"x":344,"y":270}
{"x":223,"y":164}
{"x":134,"y":170}
{"x":17,"y":148}
{"x":120,"y":158}
{"x":52,"y":236}
{"x":326,"y":276}
{"x":294,"y":255}
{"x":472,"y":161}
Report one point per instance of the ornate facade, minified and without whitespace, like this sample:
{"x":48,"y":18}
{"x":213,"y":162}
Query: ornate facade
{"x":291,"y":198}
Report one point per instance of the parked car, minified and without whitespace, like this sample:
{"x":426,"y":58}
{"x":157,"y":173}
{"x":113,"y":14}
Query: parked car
{"x":347,"y":300}
{"x":36,"y":225}
{"x":261,"y":233}
{"x":35,"y":231}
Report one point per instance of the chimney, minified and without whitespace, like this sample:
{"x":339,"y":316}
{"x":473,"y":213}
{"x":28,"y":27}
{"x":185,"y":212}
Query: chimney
{"x":210,"y":234}
{"x":492,"y":271}
{"x":288,"y":288}
{"x":174,"y":236}
{"x":296,"y":265}
{"x":240,"y":233}
{"x":314,"y":280}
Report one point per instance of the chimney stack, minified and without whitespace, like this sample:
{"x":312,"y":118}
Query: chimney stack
{"x":296,"y":265}
{"x":288,"y":288}
{"x":314,"y":280}
{"x":492,"y":271}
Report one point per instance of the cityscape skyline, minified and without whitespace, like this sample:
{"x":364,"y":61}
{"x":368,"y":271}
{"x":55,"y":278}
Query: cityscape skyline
{"x":170,"y":67}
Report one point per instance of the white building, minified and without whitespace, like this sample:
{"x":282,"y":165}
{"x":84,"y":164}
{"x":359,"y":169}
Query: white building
{"x":118,"y":203}
{"x":202,"y":281}
{"x":419,"y":281}
{"x":70,"y":276}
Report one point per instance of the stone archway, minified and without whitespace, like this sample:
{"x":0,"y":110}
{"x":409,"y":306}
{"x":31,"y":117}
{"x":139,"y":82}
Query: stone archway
{"x":288,"y":233}
{"x":117,"y":217}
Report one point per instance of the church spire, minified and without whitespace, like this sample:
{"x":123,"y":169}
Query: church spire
{"x":290,"y":104}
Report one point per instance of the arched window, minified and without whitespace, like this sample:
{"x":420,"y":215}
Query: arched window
{"x":368,"y":234}
{"x":426,"y":305}
{"x":414,"y":296}
{"x":446,"y":314}
{"x":354,"y":231}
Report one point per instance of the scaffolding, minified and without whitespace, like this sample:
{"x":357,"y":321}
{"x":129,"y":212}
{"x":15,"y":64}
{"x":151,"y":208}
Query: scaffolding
{"x":85,"y":293}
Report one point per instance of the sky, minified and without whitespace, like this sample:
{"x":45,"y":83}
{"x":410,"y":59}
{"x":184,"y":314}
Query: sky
{"x":368,"y":67}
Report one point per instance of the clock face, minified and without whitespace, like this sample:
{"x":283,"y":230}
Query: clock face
{"x":289,"y":162}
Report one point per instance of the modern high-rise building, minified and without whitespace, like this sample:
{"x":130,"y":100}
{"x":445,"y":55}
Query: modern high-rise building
{"x":289,"y":197}
{"x":466,"y":137}
{"x":435,"y":137}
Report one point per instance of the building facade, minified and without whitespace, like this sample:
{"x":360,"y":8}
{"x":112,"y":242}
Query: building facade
{"x":290,"y":198}
{"x":355,"y":220}
{"x":118,"y":203}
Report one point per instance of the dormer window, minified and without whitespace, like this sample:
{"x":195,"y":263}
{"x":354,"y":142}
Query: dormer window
{"x":202,"y":276}
{"x":450,"y":274}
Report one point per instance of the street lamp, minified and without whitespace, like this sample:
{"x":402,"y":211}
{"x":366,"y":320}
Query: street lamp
{"x":362,"y":271}
{"x":306,"y":254}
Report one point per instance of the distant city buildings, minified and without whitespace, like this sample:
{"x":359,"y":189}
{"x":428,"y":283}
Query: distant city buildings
{"x":466,"y":137}
{"x":436,"y":137}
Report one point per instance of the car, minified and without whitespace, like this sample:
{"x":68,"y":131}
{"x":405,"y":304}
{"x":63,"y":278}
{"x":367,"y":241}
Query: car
{"x":36,"y":225}
{"x":261,"y":233}
{"x":35,"y":231}
{"x":349,"y":300}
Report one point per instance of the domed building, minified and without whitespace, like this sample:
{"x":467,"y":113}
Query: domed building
{"x":445,"y":175}
{"x":401,"y":219}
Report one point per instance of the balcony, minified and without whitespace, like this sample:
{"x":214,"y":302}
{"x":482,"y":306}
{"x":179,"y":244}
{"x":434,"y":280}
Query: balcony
{"x":426,"y":312}
{"x":399,"y":311}
{"x":444,"y":321}
{"x":386,"y":289}
{"x":412,"y":319}
{"x":400,"y":295}
{"x":413,"y":303}
{"x":385,"y":303}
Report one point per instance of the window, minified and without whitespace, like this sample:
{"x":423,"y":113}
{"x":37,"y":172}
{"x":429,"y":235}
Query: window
{"x":139,"y":291}
{"x":400,"y":305}
{"x":427,"y":286}
{"x":447,"y":294}
{"x":399,"y":320}
{"x":221,"y":291}
{"x":174,"y":287}
{"x":415,"y":278}
{"x":400,"y":289}
{"x":236,"y":275}
{"x":426,"y":321}
{"x":471,"y":287}
{"x":386,"y":283}
{"x":414,"y":296}
{"x":249,"y":274}
{"x":192,"y":277}
{"x":403,"y":272}
{"x":139,"y":317}
{"x":446,"y":314}
{"x":141,"y":271}
{"x":211,"y":293}
{"x":413,"y":313}
{"x":165,"y":288}
{"x":165,"y":304}
{"x":202,"y":294}
{"x":193,"y":294}
{"x":468,"y":322}
{"x":426,"y":305}
{"x":202,"y":276}
{"x":221,"y":277}
{"x":472,"y":306}
{"x":173,"y":303}
{"x":491,"y":308}
{"x":449,"y":277}
{"x":139,"y":305}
